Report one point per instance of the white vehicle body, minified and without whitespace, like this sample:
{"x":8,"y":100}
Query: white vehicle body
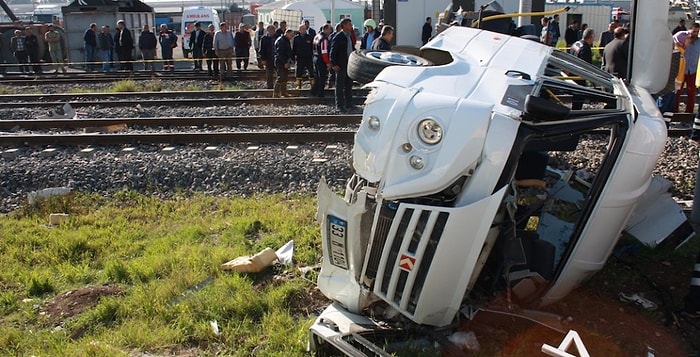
{"x":204,"y":15}
{"x":443,"y":162}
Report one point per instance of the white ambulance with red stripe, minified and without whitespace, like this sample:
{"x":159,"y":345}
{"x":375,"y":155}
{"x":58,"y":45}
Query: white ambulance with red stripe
{"x":204,"y":15}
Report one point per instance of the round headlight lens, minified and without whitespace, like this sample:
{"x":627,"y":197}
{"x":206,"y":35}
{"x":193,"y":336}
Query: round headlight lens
{"x":373,"y":123}
{"x":430,"y":131}
{"x":416,"y":162}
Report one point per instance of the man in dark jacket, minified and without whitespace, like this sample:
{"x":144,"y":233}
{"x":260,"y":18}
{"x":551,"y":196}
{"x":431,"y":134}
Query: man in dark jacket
{"x":32,"y":44}
{"x":267,"y":55}
{"x":209,"y":53}
{"x":242,"y":49}
{"x":383,"y":43}
{"x":582,"y":49}
{"x":341,"y":47}
{"x":283,"y":58}
{"x":302,"y":53}
{"x":196,"y":41}
{"x":124,"y":46}
{"x":105,"y":43}
{"x":322,"y":61}
{"x":571,"y":33}
{"x":147,"y":45}
{"x":615,"y":54}
{"x":90,"y":41}
{"x":427,"y":30}
{"x":167,"y":40}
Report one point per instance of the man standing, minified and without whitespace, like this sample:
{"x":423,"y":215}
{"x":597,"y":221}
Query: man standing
{"x":283,"y":57}
{"x":147,"y":45}
{"x":223,"y":47}
{"x":571,"y":34}
{"x":322,"y":62}
{"x":267,"y":55}
{"x":90,"y":40}
{"x":19,"y":50}
{"x":583,"y":47}
{"x":687,"y":42}
{"x":680,"y":27}
{"x":53,"y":38}
{"x":371,"y":34}
{"x":383,"y":43}
{"x":341,"y":48}
{"x":546,"y":32}
{"x":310,"y":30}
{"x":31,"y":42}
{"x":259,"y":33}
{"x":607,"y":36}
{"x":208,"y":49}
{"x":427,"y":30}
{"x":167,"y":40}
{"x":242,"y":46}
{"x":105,"y":43}
{"x":615,"y":54}
{"x":124,"y":47}
{"x":282,"y":29}
{"x":554,"y":29}
{"x":303,"y":53}
{"x":196,"y":41}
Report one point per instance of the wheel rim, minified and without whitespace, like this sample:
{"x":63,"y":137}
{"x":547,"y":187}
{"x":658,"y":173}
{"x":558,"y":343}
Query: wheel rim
{"x":395,"y":58}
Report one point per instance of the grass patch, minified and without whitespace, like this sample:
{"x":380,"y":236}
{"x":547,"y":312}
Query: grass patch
{"x":125,"y":86}
{"x":164,"y":256}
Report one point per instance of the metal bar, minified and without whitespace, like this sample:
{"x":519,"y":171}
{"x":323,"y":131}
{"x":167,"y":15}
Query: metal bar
{"x":180,"y":121}
{"x":179,"y":138}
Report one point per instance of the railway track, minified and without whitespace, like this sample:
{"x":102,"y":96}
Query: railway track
{"x":299,"y":136}
{"x":43,"y":124}
{"x":177,"y":102}
{"x":80,"y":77}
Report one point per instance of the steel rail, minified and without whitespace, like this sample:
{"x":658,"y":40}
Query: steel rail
{"x":178,"y":102}
{"x":52,"y":78}
{"x":245,"y":93}
{"x":180,"y":138}
{"x":38,"y":124}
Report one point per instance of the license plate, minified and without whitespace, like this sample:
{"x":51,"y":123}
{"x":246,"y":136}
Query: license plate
{"x":337,"y":234}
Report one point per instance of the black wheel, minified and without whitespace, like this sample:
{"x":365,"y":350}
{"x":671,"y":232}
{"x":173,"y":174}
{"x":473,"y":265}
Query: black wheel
{"x":365,"y":65}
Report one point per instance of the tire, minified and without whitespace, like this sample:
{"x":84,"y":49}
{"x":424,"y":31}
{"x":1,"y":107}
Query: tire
{"x":365,"y":65}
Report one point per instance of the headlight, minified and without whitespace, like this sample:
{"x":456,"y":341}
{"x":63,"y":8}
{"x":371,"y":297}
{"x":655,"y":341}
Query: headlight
{"x":430,"y":131}
{"x":373,"y":123}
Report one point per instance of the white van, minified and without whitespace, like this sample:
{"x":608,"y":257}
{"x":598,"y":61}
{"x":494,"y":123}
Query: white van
{"x":204,"y":15}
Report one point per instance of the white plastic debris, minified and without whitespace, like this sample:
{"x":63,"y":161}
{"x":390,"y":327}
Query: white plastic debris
{"x":32,"y":197}
{"x":285,"y":253}
{"x":465,"y":340}
{"x":571,"y":338}
{"x":215,"y":327}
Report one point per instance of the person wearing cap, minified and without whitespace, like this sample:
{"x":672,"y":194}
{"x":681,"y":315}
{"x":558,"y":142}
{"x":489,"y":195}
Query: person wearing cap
{"x":208,"y":51}
{"x":243,"y":42}
{"x":196,"y":42}
{"x":19,"y":49}
{"x":371,"y":34}
{"x":53,"y":39}
{"x":303,"y":55}
{"x":124,"y":45}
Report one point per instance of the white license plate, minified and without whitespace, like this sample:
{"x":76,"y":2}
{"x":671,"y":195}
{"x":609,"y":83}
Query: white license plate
{"x":337,"y":235}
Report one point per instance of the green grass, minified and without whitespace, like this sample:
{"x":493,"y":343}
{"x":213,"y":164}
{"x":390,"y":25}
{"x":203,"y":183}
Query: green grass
{"x":165,"y":257}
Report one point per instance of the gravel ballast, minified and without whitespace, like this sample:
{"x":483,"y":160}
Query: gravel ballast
{"x":230,"y":170}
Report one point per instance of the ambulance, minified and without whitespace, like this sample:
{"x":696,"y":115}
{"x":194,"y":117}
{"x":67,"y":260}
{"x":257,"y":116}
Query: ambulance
{"x":204,"y":15}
